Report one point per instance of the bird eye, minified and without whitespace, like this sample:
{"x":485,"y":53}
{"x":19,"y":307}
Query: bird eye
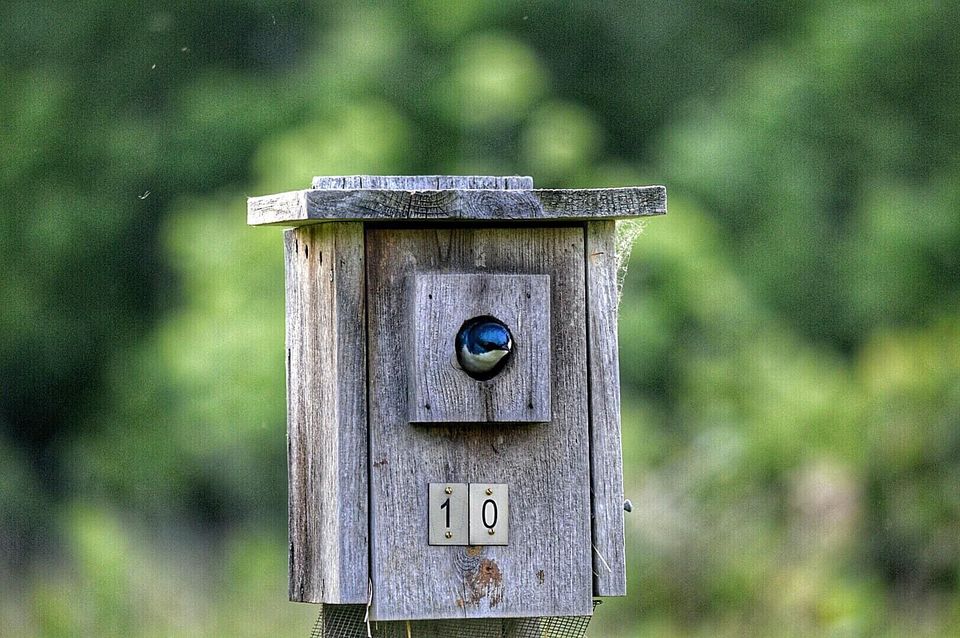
{"x":484,"y":346}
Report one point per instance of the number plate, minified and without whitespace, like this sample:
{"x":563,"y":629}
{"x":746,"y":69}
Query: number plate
{"x":489,"y":514}
{"x":448,"y":514}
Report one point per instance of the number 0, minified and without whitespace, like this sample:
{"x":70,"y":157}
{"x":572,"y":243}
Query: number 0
{"x":483,"y":513}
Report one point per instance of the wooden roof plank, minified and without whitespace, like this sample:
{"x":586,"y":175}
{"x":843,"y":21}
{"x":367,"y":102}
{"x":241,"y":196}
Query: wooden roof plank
{"x":319,"y":205}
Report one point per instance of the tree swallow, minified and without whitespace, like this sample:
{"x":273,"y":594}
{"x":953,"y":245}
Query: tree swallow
{"x":484,"y":345}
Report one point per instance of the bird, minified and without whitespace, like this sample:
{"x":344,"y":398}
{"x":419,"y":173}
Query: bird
{"x":484,"y":345}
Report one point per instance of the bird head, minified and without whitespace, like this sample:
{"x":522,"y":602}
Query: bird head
{"x":483,"y":346}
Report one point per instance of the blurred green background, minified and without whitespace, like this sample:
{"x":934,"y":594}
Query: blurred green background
{"x":790,"y":332}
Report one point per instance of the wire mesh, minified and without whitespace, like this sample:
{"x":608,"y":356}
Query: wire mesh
{"x":348,"y":621}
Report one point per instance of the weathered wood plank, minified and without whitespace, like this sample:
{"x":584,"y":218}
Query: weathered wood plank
{"x":606,"y":463}
{"x":446,"y":182}
{"x":546,"y":568}
{"x":341,"y":182}
{"x":387,"y":204}
{"x":440,"y":392}
{"x":517,"y":182}
{"x":272,"y":209}
{"x":326,"y":413}
{"x":417,"y":182}
{"x":397,"y":182}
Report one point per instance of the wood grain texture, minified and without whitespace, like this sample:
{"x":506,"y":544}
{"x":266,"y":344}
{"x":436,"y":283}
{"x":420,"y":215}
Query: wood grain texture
{"x":606,"y":464}
{"x":385,"y":204}
{"x":418,"y":182}
{"x":546,"y":568}
{"x":440,"y":391}
{"x":326,"y":413}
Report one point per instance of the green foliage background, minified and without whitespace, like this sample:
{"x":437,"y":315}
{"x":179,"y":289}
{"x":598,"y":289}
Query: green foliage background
{"x":790,"y":332}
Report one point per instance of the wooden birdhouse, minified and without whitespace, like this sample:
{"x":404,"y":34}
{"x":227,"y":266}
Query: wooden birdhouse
{"x":453,"y":394}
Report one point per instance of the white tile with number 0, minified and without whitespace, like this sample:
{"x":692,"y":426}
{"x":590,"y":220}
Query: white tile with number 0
{"x":489,"y":514}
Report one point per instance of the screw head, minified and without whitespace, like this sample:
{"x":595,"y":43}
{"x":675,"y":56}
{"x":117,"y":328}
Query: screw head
{"x":448,"y":490}
{"x":448,"y":534}
{"x":491,"y":531}
{"x":488,"y":491}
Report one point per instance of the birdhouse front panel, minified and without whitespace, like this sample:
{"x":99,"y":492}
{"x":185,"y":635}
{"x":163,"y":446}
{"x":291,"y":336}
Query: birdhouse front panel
{"x":423,"y":287}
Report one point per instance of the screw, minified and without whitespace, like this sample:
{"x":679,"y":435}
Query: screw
{"x":448,"y":490}
{"x":449,"y":534}
{"x":491,"y":531}
{"x":489,"y":491}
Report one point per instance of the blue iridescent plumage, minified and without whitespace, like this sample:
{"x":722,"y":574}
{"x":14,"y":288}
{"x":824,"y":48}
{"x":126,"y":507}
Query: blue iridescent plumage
{"x":483,"y":347}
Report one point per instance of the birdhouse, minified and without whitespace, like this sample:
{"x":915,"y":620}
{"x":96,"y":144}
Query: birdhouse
{"x":453,"y":394}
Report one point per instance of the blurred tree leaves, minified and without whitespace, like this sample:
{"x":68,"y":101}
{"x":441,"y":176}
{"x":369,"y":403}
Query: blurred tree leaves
{"x":789,"y":336}
{"x":833,"y":120}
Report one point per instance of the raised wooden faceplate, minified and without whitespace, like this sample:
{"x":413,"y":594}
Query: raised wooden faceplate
{"x":439,"y":391}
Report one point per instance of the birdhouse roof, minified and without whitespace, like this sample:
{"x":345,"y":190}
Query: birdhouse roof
{"x":449,"y":198}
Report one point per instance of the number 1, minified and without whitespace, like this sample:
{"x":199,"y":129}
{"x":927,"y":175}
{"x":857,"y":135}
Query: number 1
{"x":446,"y":506}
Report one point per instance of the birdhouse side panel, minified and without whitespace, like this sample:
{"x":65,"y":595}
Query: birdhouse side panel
{"x":326,"y":414}
{"x":606,"y":462}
